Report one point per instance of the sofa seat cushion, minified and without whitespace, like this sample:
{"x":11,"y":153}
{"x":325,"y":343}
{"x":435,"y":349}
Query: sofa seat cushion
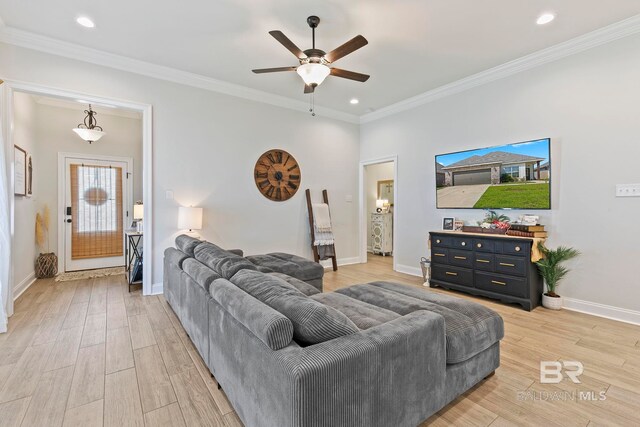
{"x":225,"y":263}
{"x":200,"y":273}
{"x":292,"y":265}
{"x":312,"y":321}
{"x":303,"y":287}
{"x":187,"y":244}
{"x":470,"y":327}
{"x":362,"y":314}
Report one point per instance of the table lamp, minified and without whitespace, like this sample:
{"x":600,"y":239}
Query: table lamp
{"x":190,"y":218}
{"x":138,"y":215}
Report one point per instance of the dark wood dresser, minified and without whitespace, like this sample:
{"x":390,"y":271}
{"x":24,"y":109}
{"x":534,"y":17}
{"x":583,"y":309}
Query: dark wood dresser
{"x":494,"y":266}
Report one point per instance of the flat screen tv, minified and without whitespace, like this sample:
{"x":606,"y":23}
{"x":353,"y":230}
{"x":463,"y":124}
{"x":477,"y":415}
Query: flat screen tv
{"x":515,"y":176}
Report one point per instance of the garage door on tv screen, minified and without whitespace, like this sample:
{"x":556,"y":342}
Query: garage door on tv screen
{"x":515,"y":176}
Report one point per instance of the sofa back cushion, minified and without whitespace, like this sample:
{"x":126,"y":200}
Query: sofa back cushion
{"x":200,"y":273}
{"x":225,"y":263}
{"x":313,"y":322}
{"x":268,"y":325}
{"x":187,"y":244}
{"x":303,"y":287}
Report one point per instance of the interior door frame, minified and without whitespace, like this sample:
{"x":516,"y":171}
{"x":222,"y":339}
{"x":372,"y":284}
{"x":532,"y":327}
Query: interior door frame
{"x":62,"y":171}
{"x":362,"y":218}
{"x":7,"y":90}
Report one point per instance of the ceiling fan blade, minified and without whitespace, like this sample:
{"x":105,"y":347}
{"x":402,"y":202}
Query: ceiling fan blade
{"x":351,"y":75}
{"x":284,"y":41}
{"x":309,"y":89}
{"x":273,"y":70}
{"x":352,"y":45}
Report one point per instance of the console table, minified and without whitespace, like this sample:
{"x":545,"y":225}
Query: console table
{"x":493,"y":266}
{"x":133,"y":257}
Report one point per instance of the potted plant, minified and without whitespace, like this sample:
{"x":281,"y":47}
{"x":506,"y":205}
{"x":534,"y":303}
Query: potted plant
{"x":552,"y":271}
{"x":495,"y":221}
{"x":46,"y":263}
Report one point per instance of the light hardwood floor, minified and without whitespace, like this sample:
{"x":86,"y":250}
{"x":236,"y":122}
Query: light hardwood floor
{"x":88,"y":353}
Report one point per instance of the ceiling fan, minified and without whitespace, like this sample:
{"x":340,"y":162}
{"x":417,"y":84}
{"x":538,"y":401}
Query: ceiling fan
{"x":315,"y":63}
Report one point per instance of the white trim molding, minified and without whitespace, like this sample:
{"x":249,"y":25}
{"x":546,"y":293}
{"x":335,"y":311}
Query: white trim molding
{"x":341,"y":261}
{"x":601,"y":310}
{"x":24,"y":284}
{"x":406,"y":269}
{"x":157,"y":289}
{"x":578,"y":44}
{"x":77,"y":52}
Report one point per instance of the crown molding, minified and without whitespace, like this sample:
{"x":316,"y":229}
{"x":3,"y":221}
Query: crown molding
{"x":581,"y":43}
{"x":77,"y":52}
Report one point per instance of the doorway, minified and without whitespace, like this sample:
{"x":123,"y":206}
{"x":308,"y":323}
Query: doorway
{"x":97,"y":194}
{"x":378,"y":211}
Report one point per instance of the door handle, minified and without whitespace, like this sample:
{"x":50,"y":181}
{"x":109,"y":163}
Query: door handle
{"x":69,"y":220}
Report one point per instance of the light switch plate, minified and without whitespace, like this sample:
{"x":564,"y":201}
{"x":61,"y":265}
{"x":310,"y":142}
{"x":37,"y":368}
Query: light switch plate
{"x":348,"y":198}
{"x":169,"y":195}
{"x":628,"y":190}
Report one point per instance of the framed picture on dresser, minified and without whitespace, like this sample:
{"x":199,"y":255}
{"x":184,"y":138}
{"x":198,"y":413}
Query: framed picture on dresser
{"x":448,"y":223}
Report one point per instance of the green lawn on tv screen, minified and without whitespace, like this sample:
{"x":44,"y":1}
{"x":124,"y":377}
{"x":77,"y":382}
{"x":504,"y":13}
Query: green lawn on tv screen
{"x":525,"y":196}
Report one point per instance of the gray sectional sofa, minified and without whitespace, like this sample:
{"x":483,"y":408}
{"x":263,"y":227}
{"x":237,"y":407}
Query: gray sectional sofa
{"x":286,"y":354}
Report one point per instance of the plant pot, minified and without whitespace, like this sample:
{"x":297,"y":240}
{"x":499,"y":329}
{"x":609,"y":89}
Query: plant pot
{"x":552,"y":303}
{"x":46,"y":265}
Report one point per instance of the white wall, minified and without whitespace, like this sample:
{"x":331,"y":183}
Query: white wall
{"x":24,"y":244}
{"x":589,"y":104}
{"x":373,"y":174}
{"x":205,"y":146}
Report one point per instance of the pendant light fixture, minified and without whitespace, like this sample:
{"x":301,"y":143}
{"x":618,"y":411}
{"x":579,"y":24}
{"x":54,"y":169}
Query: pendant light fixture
{"x":89,"y":130}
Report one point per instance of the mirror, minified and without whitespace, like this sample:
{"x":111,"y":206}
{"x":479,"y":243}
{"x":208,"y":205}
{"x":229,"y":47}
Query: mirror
{"x":385,"y":190}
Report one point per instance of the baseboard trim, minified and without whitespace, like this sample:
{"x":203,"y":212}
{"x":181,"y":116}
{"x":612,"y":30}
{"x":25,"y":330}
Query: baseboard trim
{"x":157,"y":289}
{"x":341,"y":261}
{"x":406,"y":269}
{"x":24,"y":285}
{"x":601,"y":310}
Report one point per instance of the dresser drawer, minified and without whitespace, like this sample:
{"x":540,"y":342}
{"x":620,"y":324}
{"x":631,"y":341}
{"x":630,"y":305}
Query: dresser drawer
{"x":515,"y":286}
{"x":440,"y":241}
{"x":457,"y":275}
{"x":461,"y":258}
{"x":463,"y":243}
{"x":439,"y":256}
{"x":482,"y":245}
{"x":516,"y":248}
{"x":483,"y":262}
{"x":516,"y":266}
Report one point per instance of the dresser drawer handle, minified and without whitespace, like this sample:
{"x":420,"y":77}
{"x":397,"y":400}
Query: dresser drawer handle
{"x":460,"y":257}
{"x":464,"y":243}
{"x":451,"y":274}
{"x":479,"y":245}
{"x":437,"y":240}
{"x":438,"y":255}
{"x":495,"y":282}
{"x":506,"y":264}
{"x":517,"y":248}
{"x":483,"y":260}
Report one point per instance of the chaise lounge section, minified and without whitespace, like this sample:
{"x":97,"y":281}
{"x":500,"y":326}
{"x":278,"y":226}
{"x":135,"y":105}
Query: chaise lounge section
{"x":374,"y":354}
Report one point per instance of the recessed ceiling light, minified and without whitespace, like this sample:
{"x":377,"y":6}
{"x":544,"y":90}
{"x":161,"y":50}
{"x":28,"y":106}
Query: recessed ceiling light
{"x":545,"y":18}
{"x":85,"y":22}
{"x":354,"y":101}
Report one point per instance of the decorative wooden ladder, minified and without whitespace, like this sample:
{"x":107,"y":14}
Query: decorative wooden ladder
{"x":316,"y":255}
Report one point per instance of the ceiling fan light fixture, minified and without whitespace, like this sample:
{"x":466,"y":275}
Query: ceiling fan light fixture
{"x":313,"y":73}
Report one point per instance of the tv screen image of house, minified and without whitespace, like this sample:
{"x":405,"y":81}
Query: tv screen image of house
{"x":515,"y":176}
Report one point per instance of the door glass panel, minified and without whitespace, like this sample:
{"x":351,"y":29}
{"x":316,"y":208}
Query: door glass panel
{"x":96,"y":211}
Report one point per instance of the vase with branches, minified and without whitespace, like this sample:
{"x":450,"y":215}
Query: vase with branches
{"x":47,"y":262}
{"x":552,"y":271}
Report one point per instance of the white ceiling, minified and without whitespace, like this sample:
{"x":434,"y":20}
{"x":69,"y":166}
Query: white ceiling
{"x":414,"y":45}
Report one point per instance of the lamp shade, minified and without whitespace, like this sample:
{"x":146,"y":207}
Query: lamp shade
{"x":89,"y":135}
{"x":313,"y":73}
{"x":379,"y":203}
{"x":138,"y":211}
{"x":189,"y":218}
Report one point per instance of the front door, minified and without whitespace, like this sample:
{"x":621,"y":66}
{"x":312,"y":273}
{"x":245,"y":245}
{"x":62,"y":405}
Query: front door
{"x":95,"y":211}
